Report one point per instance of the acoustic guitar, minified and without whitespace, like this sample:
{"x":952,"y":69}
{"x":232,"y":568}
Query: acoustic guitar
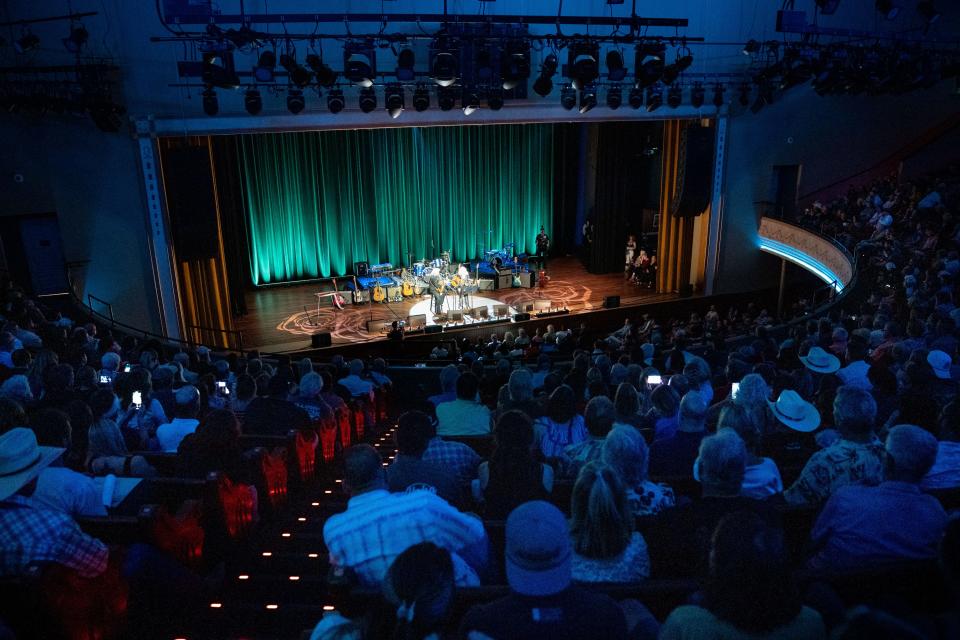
{"x":379,"y":294}
{"x":407,"y":288}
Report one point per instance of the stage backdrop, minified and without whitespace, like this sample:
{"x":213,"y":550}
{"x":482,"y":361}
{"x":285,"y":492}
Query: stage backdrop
{"x":316,"y":202}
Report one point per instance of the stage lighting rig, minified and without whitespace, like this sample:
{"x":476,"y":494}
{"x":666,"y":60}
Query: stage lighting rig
{"x":405,"y":62}
{"x":421,"y":98}
{"x":326,"y":77}
{"x":296,"y":73}
{"x":582,"y":67}
{"x":295,"y":100}
{"x":887,"y":9}
{"x":751,"y":47}
{"x":672,"y":71}
{"x":568,"y":97}
{"x":218,"y":70}
{"x":543,"y":85}
{"x":495,"y":99}
{"x":27,"y":42}
{"x":446,"y":98}
{"x":744,"y":94}
{"x":697,"y":94}
{"x":616,"y":71}
{"x":77,"y":38}
{"x":828,"y":7}
{"x":266,"y":63}
{"x":648,"y":63}
{"x":470,"y":101}
{"x":252,"y":102}
{"x":614,"y":96}
{"x":674,"y":96}
{"x":394,"y":99}
{"x":444,"y":64}
{"x":335,"y":101}
{"x":367,"y":99}
{"x":654,"y":98}
{"x":928,"y":11}
{"x":360,"y":63}
{"x":636,"y":98}
{"x":718,"y":91}
{"x":588,"y":98}
{"x":211,"y":106}
{"x":515,"y":63}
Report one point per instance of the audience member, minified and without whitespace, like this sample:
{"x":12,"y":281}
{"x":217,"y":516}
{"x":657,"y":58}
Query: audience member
{"x":561,"y":426}
{"x":184,"y":420}
{"x":275,"y":414}
{"x":674,"y":456}
{"x":409,"y":471}
{"x":598,"y":418}
{"x":625,"y":451}
{"x":464,"y":416}
{"x":513,"y":475}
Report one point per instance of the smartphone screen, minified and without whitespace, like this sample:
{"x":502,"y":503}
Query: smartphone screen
{"x":127,"y":368}
{"x":653,"y":381}
{"x":734,"y":389}
{"x":137,"y":399}
{"x":104,"y":379}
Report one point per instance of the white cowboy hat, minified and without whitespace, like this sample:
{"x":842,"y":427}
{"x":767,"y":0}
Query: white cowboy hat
{"x":795,"y":412}
{"x":820,"y":361}
{"x":21,"y":460}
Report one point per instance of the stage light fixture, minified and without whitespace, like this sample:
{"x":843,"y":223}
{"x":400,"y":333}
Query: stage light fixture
{"x":751,"y":47}
{"x":828,"y":7}
{"x":744,"y":94}
{"x":654,"y":98}
{"x":446,"y":98}
{"x":296,"y":73}
{"x":211,"y":106}
{"x":469,"y":102}
{"x":588,"y":98}
{"x":928,"y":11}
{"x":266,"y":64}
{"x":443,"y":64}
{"x":326,"y":76}
{"x":77,"y":38}
{"x":697,"y":94}
{"x":515,"y":64}
{"x":252,"y":102}
{"x":483,"y":64}
{"x":887,"y":9}
{"x":636,"y":98}
{"x":394,"y":100}
{"x":614,"y":96}
{"x":495,"y":100}
{"x":672,"y":71}
{"x":421,"y":98}
{"x":405,"y":62}
{"x":543,"y":85}
{"x":295,"y":101}
{"x":335,"y":101}
{"x":674,"y":96}
{"x":582,"y":67}
{"x":26,"y":42}
{"x":718,"y":95}
{"x":616,"y":72}
{"x":218,"y":70}
{"x":360,"y":63}
{"x":568,"y":97}
{"x":368,"y":99}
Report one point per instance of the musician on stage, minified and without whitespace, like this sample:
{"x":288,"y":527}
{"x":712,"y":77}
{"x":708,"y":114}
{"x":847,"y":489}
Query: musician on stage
{"x":543,"y":246}
{"x":437,"y":293}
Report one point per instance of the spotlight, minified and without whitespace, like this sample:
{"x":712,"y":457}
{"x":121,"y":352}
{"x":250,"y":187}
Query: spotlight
{"x":718,"y":95}
{"x":568,"y":97}
{"x":253,"y":102}
{"x":588,"y":98}
{"x":697,"y":95}
{"x":582,"y":66}
{"x":266,"y":63}
{"x":744,"y":94}
{"x":393,"y":99}
{"x":828,"y":7}
{"x":616,"y":72}
{"x":654,"y":98}
{"x":421,"y":98}
{"x":469,"y":102}
{"x":218,"y":70}
{"x":446,"y":98}
{"x":295,"y":101}
{"x":27,"y":42}
{"x":648,"y":63}
{"x":368,"y":99}
{"x":927,"y":11}
{"x":636,"y":98}
{"x":751,"y":47}
{"x":614,"y":96}
{"x":887,"y":9}
{"x":335,"y":101}
{"x":515,"y":67}
{"x":672,"y":71}
{"x":211,"y":106}
{"x":405,"y":63}
{"x":495,"y":100}
{"x":443,"y":68}
{"x":674,"y":96}
{"x":483,"y":65}
{"x":326,"y":77}
{"x":360,"y":64}
{"x":77,"y":38}
{"x":544,"y":83}
{"x":296,"y":73}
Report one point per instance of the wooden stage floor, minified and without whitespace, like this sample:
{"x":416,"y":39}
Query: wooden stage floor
{"x":282,"y":318}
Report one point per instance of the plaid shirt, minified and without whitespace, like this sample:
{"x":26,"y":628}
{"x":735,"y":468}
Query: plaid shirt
{"x":455,"y":456}
{"x":29,"y":535}
{"x":378,"y":526}
{"x":840,"y":464}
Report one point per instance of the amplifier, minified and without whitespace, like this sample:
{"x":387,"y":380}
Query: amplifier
{"x":486,"y":284}
{"x":393,"y":292}
{"x":360,"y":297}
{"x":505,"y":281}
{"x":528,"y":279}
{"x":504,"y":272}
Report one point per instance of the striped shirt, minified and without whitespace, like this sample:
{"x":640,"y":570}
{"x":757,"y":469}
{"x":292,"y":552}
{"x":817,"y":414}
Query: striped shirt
{"x":378,"y":526}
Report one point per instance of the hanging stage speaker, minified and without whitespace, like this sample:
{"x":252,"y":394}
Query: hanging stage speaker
{"x":611,"y":302}
{"x":191,"y":204}
{"x":361,"y":269}
{"x":321,"y":339}
{"x":694,"y":193}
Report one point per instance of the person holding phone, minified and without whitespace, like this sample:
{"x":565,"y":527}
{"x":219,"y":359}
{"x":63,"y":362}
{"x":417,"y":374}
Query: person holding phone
{"x":143,"y":413}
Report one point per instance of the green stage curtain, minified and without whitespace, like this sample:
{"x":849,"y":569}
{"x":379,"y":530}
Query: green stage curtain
{"x":316,"y":202}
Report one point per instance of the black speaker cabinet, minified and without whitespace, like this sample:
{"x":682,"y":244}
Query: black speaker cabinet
{"x":361,"y":269}
{"x":611,"y":302}
{"x":321,"y":339}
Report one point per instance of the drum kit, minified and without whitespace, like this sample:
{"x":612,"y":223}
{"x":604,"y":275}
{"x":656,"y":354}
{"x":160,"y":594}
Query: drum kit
{"x":499,"y":257}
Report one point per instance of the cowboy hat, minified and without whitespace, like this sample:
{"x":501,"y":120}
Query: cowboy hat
{"x":795,"y":412}
{"x":21,"y":460}
{"x":820,"y":361}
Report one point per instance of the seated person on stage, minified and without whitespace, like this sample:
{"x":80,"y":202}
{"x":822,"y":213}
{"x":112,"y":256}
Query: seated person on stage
{"x":409,"y":469}
{"x":275,"y":414}
{"x":378,"y":526}
{"x":861,"y":525}
{"x":357,"y":386}
{"x":465,"y":416}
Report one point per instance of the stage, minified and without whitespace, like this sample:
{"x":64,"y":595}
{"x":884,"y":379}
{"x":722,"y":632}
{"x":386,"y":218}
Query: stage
{"x":282,"y":318}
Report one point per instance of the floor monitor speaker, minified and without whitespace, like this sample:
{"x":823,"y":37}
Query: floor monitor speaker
{"x":611,"y":302}
{"x":322,"y":339}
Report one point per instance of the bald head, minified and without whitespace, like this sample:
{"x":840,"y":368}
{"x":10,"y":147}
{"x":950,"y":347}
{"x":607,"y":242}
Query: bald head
{"x":693,"y":412}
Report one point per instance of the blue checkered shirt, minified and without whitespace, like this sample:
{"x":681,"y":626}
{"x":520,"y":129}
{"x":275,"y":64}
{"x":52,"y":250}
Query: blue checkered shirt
{"x":31,"y":535}
{"x":454,"y":456}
